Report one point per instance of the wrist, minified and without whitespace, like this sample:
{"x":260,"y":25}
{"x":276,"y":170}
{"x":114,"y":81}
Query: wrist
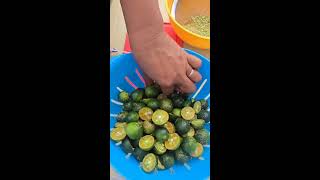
{"x":142,"y":38}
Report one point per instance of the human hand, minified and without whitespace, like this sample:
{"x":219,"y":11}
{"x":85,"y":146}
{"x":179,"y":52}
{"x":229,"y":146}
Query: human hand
{"x":164,"y":62}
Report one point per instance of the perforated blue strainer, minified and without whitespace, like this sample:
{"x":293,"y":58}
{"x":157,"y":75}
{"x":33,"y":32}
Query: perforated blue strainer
{"x":126,"y":75}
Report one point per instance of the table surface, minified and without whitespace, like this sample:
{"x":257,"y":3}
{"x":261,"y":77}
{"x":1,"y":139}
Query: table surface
{"x":117,"y":40}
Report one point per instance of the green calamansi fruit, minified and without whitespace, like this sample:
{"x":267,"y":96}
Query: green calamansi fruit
{"x":132,"y":117}
{"x":127,"y":106}
{"x":187,"y":113}
{"x":121,"y":124}
{"x":170,"y":127}
{"x":174,"y":95}
{"x":181,"y":156}
{"x":146,"y":100}
{"x":139,"y":154}
{"x":167,"y":160}
{"x":178,"y":102}
{"x":189,"y":145}
{"x":197,"y":123}
{"x":152,"y":91}
{"x":202,"y":136}
{"x":159,"y":148}
{"x":161,"y":134}
{"x":136,"y":106}
{"x":123,"y":96}
{"x":146,"y":142}
{"x":176,"y":112}
{"x":149,"y":162}
{"x":197,"y":107}
{"x":166,"y":104}
{"x":187,"y":103}
{"x":182,"y":126}
{"x":197,"y":151}
{"x":205,"y":115}
{"x":118,"y":134}
{"x":148,"y":127}
{"x":204,"y":104}
{"x":192,"y":147}
{"x":121,"y":117}
{"x":173,"y":142}
{"x":126,"y":146}
{"x":160,"y":165}
{"x":134,"y":143}
{"x":145,"y":113}
{"x":154,"y":104}
{"x":137,"y":95}
{"x":190,"y":133}
{"x":134,"y":130}
{"x":160,"y":117}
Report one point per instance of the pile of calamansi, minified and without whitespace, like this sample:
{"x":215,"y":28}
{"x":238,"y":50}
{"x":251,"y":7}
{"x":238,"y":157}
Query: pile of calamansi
{"x":160,"y":130}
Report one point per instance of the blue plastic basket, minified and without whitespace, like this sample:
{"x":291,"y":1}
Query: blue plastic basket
{"x":124,"y":65}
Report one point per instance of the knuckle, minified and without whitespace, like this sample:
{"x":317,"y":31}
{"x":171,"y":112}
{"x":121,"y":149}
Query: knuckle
{"x":166,"y":83}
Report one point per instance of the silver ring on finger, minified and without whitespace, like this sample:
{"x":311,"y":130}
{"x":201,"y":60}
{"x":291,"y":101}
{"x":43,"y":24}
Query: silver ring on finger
{"x":191,"y":73}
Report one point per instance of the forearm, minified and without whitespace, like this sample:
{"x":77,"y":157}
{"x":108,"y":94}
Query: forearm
{"x":143,"y":20}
